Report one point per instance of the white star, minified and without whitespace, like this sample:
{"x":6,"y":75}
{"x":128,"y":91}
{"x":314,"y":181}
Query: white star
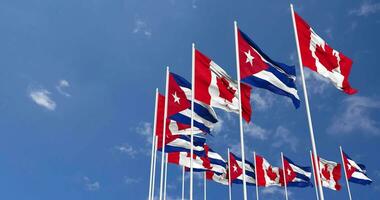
{"x":249,"y":57}
{"x":349,"y":166}
{"x":289,"y":172}
{"x":176,"y":99}
{"x":235,"y":168}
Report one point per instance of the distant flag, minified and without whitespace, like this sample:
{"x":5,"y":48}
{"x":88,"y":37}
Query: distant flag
{"x":236,"y":170}
{"x":356,"y":173}
{"x":217,"y":177}
{"x":258,"y":70}
{"x":317,"y":55}
{"x":330,"y":173}
{"x":214,"y":87}
{"x":267,"y":175}
{"x":296,"y":175}
{"x":204,"y":115}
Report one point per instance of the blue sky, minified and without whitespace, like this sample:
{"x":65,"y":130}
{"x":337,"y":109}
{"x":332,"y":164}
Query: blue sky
{"x":77,"y":88}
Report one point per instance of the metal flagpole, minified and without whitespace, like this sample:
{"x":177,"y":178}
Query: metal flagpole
{"x":154,"y":166}
{"x":204,"y":186}
{"x":256,"y":181}
{"x":307,"y":107}
{"x":183,"y":183}
{"x":166,"y":174}
{"x":345,"y":172}
{"x":284,"y":173}
{"x":240,"y":111}
{"x":153,"y":143}
{"x":192,"y":119}
{"x":229,"y":175}
{"x":164,"y":133}
{"x":315,"y":179}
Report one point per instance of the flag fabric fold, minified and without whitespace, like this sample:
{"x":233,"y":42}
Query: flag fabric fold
{"x":258,"y":70}
{"x":267,"y":175}
{"x":318,"y":56}
{"x":330,"y":173}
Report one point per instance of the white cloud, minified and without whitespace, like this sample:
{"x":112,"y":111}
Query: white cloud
{"x":262,"y":100}
{"x":41,"y":97}
{"x":366,"y":8}
{"x":142,"y":27}
{"x":256,"y":131}
{"x":129,"y":180}
{"x":274,"y":191}
{"x":145,"y":129}
{"x":283,"y":137}
{"x":62,"y":84}
{"x":356,"y":116}
{"x":315,"y":83}
{"x":218,"y":126}
{"x":91,"y":185}
{"x":127,"y":149}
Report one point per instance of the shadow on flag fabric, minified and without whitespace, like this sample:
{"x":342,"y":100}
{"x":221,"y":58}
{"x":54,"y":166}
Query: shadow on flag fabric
{"x":318,"y":56}
{"x":267,"y":175}
{"x":236,"y":170}
{"x":179,"y":105}
{"x":330,"y":173}
{"x":258,"y":70}
{"x":214,"y":87}
{"x":356,"y":173}
{"x":295,"y":175}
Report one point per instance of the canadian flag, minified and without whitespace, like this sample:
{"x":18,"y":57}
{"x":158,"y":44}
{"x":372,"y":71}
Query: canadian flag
{"x":330,"y":174}
{"x":268,"y":175}
{"x":321,"y":58}
{"x":214,"y":87}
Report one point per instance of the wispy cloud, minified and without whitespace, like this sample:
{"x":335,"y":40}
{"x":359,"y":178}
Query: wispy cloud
{"x":127,"y":149}
{"x":262,"y":100}
{"x":366,"y":8}
{"x":274,"y":191}
{"x":256,"y":131}
{"x":142,"y":27}
{"x":356,"y":116}
{"x":91,"y":185}
{"x":145,"y":129}
{"x":62,"y":85}
{"x":315,"y":82}
{"x":283,"y":136}
{"x":42,"y":98}
{"x":130,"y":180}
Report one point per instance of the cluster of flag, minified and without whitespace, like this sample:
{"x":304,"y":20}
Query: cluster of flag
{"x":185,"y":114}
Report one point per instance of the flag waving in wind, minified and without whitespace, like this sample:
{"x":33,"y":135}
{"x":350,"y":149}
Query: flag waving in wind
{"x":236,"y":170}
{"x":330,"y":173}
{"x":214,"y":87}
{"x":295,"y":175}
{"x":258,"y":70}
{"x":268,"y":175}
{"x":320,"y":57}
{"x":355,"y":173}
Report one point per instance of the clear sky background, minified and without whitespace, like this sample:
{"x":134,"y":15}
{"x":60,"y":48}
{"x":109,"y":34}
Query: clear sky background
{"x":77,"y":86}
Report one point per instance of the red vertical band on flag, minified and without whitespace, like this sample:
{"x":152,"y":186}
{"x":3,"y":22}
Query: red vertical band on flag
{"x":202,"y":77}
{"x":246,"y":102}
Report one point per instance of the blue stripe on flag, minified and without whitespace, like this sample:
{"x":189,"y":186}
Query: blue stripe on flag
{"x":359,"y":181}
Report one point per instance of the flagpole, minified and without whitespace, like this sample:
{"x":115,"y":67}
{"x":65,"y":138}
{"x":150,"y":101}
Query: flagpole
{"x":240,"y":111}
{"x":345,"y":172}
{"x":154,"y":165}
{"x":192,"y":118}
{"x":164,"y":133}
{"x":315,"y":179}
{"x":229,"y":175}
{"x":166,"y":174}
{"x":153,"y":143}
{"x":204,"y":186}
{"x":183,"y":183}
{"x":284,"y":173}
{"x":307,"y":107}
{"x":256,"y":181}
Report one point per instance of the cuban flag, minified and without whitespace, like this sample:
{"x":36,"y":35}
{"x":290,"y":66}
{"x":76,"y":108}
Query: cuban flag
{"x":356,"y":173}
{"x":236,"y":170}
{"x":217,"y":177}
{"x":180,"y":100}
{"x":258,"y":70}
{"x":214,"y":87}
{"x":212,"y":161}
{"x":318,"y":56}
{"x":295,"y":175}
{"x":182,"y":143}
{"x":267,"y":175}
